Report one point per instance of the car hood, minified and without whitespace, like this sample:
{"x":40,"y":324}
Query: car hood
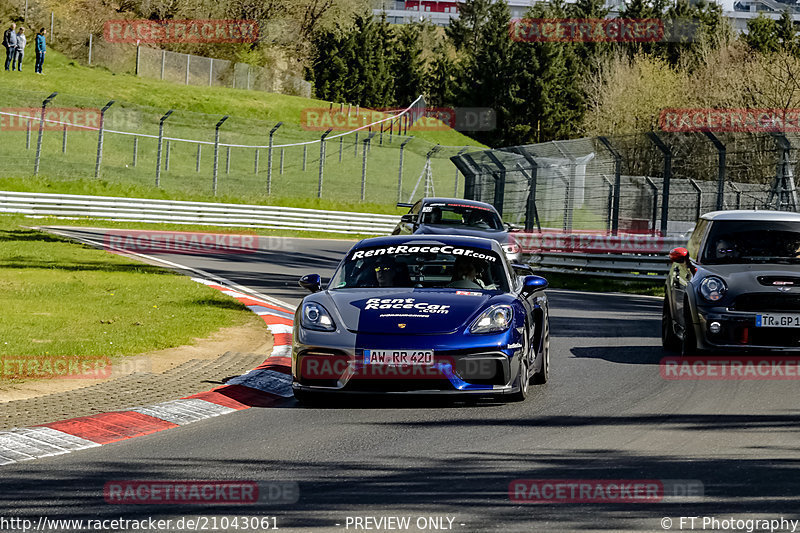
{"x":408,"y":311}
{"x":498,"y":235}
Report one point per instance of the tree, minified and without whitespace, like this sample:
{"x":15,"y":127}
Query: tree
{"x":762,"y":34}
{"x":408,"y":64}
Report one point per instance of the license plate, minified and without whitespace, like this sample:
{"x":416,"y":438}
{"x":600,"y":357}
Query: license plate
{"x":778,"y":321}
{"x":398,"y":357}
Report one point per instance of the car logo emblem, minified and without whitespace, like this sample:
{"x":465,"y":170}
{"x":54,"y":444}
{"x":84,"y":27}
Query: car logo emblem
{"x":783,"y":283}
{"x":401,"y":326}
{"x":784,"y":289}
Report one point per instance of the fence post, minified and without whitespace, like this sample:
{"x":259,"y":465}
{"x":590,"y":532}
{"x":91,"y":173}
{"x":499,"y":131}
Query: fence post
{"x":90,"y":52}
{"x":188,"y":58}
{"x":609,"y":203}
{"x":64,"y":140}
{"x":269,"y":157}
{"x":455,"y":187}
{"x":617,"y":183}
{"x":100,"y":139}
{"x":400,"y":171}
{"x":216,"y":153}
{"x":322,"y":160}
{"x":135,"y":151}
{"x":28,"y":134}
{"x":738,"y":195}
{"x":255,"y":164}
{"x":364,"y":166}
{"x":667,"y":179}
{"x":199,"y":152}
{"x":163,"y":62}
{"x":356,"y":145}
{"x":166,"y":156}
{"x":720,"y":169}
{"x":655,"y":202}
{"x":783,"y":192}
{"x":138,"y":58}
{"x":305,"y":156}
{"x":41,"y":132}
{"x":699,"y":198}
{"x":160,"y":142}
{"x":341,"y":146}
{"x":499,"y":184}
{"x":52,"y":25}
{"x":210,"y":71}
{"x":227,"y":160}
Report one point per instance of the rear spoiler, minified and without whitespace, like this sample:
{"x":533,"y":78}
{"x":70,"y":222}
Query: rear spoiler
{"x":401,"y":204}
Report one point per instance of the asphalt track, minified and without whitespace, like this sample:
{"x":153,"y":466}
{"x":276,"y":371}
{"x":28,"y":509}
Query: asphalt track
{"x":605,"y":414}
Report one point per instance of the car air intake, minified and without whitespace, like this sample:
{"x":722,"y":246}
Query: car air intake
{"x":767,"y":302}
{"x":779,"y":281}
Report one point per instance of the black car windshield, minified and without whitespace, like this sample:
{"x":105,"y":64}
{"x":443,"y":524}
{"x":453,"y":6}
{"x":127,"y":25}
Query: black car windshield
{"x":441,"y":214}
{"x":739,"y":241}
{"x":422,"y":266}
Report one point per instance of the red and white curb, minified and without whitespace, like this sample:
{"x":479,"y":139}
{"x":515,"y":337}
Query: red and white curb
{"x":265,"y":385}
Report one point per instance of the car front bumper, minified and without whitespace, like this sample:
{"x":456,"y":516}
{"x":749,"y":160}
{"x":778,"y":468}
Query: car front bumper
{"x":738,"y":332}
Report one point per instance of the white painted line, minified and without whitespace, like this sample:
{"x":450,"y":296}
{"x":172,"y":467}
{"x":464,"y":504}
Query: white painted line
{"x":57,"y":438}
{"x":277,"y":329}
{"x":184,"y":412}
{"x":281,"y":350}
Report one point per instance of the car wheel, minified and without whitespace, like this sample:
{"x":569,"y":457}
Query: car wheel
{"x":305,"y":397}
{"x":524,"y":374}
{"x":543,"y":374}
{"x":669,"y":340}
{"x":689,"y":339}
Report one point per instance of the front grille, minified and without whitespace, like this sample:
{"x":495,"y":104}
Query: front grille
{"x":767,"y":302}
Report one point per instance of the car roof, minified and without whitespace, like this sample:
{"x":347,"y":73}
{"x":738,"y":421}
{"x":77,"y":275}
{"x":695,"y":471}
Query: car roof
{"x":755,"y":215}
{"x":460,"y":201}
{"x":454,"y":240}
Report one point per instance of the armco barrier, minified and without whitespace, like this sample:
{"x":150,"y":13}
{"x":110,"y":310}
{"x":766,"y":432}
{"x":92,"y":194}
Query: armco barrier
{"x":200,"y":213}
{"x":626,"y":257}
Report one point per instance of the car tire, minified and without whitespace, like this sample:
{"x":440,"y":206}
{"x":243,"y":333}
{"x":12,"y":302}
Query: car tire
{"x":524,"y":374}
{"x":669,"y":340}
{"x":689,"y":339}
{"x":305,"y":397}
{"x":541,"y":377}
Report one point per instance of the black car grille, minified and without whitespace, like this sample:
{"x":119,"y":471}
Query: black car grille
{"x":767,"y":302}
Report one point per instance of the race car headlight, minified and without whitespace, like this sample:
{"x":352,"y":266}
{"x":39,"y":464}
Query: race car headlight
{"x":511,"y":249}
{"x":713,"y":289}
{"x":493,"y":320}
{"x":316,"y":317}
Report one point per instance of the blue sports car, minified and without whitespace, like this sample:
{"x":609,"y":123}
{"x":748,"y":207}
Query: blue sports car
{"x":422,"y":314}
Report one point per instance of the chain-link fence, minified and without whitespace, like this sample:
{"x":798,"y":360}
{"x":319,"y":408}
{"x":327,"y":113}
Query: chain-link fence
{"x":195,"y":154}
{"x":656,"y":182}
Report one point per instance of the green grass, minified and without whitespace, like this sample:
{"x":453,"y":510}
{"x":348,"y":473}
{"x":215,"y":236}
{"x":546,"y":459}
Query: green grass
{"x":63,"y":299}
{"x":599,"y":284}
{"x":141,"y":102}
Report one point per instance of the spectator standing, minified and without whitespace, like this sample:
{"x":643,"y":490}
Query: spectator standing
{"x":10,"y":43}
{"x":22,"y":41}
{"x":41,"y":48}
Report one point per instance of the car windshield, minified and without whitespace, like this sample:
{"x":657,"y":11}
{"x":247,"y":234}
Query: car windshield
{"x":734,"y":242}
{"x":422,"y":266}
{"x":477,"y":217}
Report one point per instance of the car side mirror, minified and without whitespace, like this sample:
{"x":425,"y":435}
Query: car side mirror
{"x":509,"y":227}
{"x":311,"y":282}
{"x":679,"y":255}
{"x":532,"y":284}
{"x":408,"y":218}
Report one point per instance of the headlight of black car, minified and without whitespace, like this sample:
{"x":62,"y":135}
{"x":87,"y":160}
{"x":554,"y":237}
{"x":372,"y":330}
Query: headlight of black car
{"x":713,"y":288}
{"x":316,"y":317}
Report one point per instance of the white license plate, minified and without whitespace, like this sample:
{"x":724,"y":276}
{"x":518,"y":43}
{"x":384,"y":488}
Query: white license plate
{"x":778,"y":321}
{"x":398,"y":357}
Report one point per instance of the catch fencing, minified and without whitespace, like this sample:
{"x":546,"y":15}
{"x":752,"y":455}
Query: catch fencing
{"x":657,"y":183}
{"x":198,"y":155}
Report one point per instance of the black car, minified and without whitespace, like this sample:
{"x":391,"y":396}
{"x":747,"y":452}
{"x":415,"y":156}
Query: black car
{"x":452,"y":216}
{"x":736,"y":286}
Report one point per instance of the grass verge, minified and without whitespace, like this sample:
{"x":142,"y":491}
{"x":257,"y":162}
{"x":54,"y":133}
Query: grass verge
{"x":598,"y":284}
{"x":63,"y":299}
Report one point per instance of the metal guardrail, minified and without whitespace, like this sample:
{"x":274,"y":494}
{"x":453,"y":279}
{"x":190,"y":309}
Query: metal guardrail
{"x":638,"y":257}
{"x":199,"y":213}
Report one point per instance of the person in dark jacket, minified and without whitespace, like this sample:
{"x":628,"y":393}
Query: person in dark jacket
{"x":40,"y":48}
{"x":10,"y":43}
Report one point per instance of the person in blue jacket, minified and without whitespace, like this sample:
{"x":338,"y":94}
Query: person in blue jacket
{"x":41,"y":48}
